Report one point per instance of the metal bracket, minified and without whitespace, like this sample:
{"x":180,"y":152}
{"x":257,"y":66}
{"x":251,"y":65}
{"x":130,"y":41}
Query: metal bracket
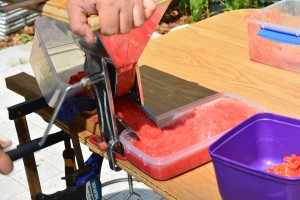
{"x":112,"y":144}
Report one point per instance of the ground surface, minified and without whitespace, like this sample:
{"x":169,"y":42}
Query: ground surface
{"x":23,"y":36}
{"x":171,"y":19}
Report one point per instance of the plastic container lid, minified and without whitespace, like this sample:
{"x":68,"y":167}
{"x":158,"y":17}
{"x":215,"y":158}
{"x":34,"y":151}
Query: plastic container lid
{"x":173,"y":116}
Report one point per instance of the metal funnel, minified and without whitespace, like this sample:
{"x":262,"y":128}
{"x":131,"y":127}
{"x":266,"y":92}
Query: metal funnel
{"x":125,"y":49}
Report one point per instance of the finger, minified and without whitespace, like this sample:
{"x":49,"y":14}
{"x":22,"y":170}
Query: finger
{"x":79,"y":26}
{"x":149,"y":6}
{"x":109,"y":25}
{"x":88,"y":34}
{"x":6,"y":164}
{"x":5,"y":144}
{"x":139,"y":16}
{"x":126,"y":18}
{"x":78,"y":21}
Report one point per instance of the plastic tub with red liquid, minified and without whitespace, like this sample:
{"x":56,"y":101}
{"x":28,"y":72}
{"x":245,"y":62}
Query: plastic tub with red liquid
{"x":181,"y":141}
{"x":273,"y":34}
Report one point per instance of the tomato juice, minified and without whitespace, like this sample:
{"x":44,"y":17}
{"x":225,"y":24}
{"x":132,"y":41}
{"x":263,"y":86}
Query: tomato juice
{"x":169,"y":151}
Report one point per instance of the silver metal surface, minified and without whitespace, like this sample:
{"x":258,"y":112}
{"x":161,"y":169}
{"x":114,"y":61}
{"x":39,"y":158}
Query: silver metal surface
{"x":19,"y":4}
{"x":87,"y":81}
{"x":131,"y":192}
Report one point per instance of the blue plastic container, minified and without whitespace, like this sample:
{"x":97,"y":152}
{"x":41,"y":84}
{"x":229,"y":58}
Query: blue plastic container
{"x":242,"y":156}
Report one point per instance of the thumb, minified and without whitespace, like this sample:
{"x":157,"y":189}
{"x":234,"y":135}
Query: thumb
{"x":5,"y":144}
{"x":149,"y":6}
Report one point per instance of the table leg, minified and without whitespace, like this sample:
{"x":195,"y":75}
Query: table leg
{"x":29,"y":160}
{"x":76,"y":146}
{"x":69,"y":159}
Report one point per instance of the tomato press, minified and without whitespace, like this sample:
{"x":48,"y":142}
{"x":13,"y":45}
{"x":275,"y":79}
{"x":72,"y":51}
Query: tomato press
{"x":75,"y":76}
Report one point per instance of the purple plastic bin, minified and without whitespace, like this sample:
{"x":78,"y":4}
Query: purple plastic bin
{"x":242,"y":156}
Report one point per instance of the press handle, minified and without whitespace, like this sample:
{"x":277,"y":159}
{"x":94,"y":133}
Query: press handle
{"x":23,"y":150}
{"x":33,"y":146}
{"x":94,"y":22}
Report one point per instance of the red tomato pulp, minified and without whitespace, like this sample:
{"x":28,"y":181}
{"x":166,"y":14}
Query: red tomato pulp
{"x":192,"y":133}
{"x":290,"y":168}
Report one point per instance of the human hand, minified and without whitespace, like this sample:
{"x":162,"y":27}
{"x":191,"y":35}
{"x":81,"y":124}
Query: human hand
{"x":115,"y":16}
{"x":6,"y":164}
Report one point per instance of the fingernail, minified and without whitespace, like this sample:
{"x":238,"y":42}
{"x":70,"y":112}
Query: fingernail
{"x":5,"y":143}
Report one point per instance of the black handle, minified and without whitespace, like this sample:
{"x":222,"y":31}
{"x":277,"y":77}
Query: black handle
{"x":23,"y":150}
{"x":33,"y":146}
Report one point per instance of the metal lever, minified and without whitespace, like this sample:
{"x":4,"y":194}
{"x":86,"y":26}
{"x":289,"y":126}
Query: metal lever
{"x":19,"y":4}
{"x":96,"y":63}
{"x":87,"y":81}
{"x":102,"y":91}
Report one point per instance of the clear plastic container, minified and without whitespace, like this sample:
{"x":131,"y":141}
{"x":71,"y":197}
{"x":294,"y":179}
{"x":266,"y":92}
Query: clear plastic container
{"x":242,"y":156}
{"x":181,"y":143}
{"x":273,"y":34}
{"x":54,"y":58}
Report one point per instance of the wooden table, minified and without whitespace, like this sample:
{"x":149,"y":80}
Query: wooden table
{"x":214,"y":54}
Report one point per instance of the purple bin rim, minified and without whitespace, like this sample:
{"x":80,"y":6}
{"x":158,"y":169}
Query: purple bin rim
{"x":245,"y":168}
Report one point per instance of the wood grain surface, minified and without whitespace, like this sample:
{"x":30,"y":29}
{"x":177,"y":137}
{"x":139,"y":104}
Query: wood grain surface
{"x":184,"y":65}
{"x":214,"y":54}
